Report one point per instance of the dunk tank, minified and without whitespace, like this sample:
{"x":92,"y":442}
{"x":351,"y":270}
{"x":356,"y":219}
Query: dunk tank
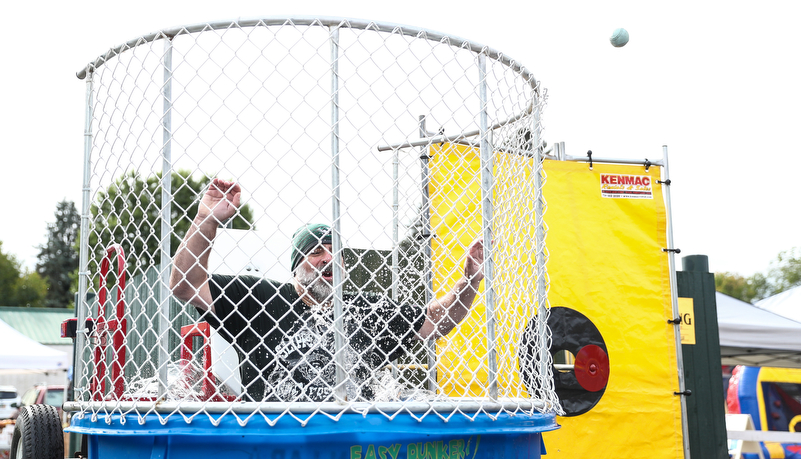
{"x":317,"y":120}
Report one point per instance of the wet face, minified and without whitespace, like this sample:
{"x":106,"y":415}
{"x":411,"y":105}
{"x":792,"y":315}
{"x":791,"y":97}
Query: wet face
{"x":315,"y":274}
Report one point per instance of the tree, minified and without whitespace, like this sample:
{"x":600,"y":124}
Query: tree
{"x":747,"y":289}
{"x":129,"y":213}
{"x":32,"y":291}
{"x":783,"y":274}
{"x":9,"y":276}
{"x":18,"y":288}
{"x":785,"y":271}
{"x":58,"y":258}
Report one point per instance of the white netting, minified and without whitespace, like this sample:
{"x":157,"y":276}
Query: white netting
{"x":408,"y":143}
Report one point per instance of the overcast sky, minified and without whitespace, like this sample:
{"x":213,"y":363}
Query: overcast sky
{"x":717,"y":82}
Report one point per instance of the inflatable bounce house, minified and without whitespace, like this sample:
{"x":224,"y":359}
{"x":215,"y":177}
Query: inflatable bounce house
{"x":772,"y":397}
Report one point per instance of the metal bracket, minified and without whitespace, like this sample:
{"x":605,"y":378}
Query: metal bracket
{"x":686,"y":393}
{"x":672,"y":250}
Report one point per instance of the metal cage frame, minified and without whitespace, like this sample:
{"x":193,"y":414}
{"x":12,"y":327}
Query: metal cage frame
{"x":481,"y":138}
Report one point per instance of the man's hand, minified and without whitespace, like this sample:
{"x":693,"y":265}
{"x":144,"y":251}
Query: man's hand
{"x":221,"y":200}
{"x":443,"y":314}
{"x":189,"y":280}
{"x":474,"y":262}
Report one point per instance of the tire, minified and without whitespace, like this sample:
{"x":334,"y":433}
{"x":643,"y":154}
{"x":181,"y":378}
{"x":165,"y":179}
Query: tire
{"x":38,"y":434}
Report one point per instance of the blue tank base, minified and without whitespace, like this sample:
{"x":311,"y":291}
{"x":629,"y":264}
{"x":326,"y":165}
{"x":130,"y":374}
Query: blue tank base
{"x":352,"y":437}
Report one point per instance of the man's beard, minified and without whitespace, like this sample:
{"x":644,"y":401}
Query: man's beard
{"x":317,"y":288}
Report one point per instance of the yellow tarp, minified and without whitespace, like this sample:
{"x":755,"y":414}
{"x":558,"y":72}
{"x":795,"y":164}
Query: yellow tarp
{"x":605,"y":238}
{"x":606,"y":261}
{"x":455,"y":192}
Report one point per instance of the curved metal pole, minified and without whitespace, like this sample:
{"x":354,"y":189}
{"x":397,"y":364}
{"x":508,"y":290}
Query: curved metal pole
{"x":324,"y":21}
{"x":165,"y":323}
{"x":540,"y":258}
{"x":427,"y":138}
{"x":395,"y":242}
{"x":466,"y":406}
{"x":340,"y":391}
{"x":81,"y":306}
{"x":487,"y":214}
{"x":674,"y":300}
{"x":427,"y":234}
{"x":395,"y":227}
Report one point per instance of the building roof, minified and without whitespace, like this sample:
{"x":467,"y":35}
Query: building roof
{"x":39,"y":324}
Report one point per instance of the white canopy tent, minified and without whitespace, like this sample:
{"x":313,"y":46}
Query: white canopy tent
{"x":750,"y":335}
{"x":786,"y":304}
{"x":19,"y":354}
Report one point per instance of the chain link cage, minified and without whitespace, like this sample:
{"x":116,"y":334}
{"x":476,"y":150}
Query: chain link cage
{"x":408,"y":144}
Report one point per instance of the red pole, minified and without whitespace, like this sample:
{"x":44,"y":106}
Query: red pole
{"x":117,"y":326}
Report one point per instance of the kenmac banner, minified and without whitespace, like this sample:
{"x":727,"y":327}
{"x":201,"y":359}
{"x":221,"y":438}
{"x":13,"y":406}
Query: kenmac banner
{"x":626,"y":186}
{"x":606,"y":263}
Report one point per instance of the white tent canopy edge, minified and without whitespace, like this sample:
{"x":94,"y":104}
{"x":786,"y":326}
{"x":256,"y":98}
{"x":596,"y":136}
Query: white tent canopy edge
{"x":20,"y":354}
{"x":750,"y":335}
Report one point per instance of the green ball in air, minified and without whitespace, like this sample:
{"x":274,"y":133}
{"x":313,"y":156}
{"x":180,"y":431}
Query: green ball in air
{"x":619,"y":38}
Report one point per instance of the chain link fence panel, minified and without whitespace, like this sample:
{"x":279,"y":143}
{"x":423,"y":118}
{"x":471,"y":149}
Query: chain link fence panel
{"x":406,"y":143}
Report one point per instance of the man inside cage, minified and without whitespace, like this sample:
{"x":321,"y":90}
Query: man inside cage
{"x":284,"y":332}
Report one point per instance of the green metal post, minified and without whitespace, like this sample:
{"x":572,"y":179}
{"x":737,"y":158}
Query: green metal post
{"x":706,"y":411}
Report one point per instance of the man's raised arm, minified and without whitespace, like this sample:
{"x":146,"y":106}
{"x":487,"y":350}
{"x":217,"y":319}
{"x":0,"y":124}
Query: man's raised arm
{"x":443,"y":314}
{"x":189,"y":280}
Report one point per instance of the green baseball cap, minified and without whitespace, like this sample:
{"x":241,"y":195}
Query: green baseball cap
{"x":306,"y":238}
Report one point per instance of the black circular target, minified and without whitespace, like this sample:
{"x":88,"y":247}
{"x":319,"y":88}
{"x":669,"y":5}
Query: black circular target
{"x":571,"y":331}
